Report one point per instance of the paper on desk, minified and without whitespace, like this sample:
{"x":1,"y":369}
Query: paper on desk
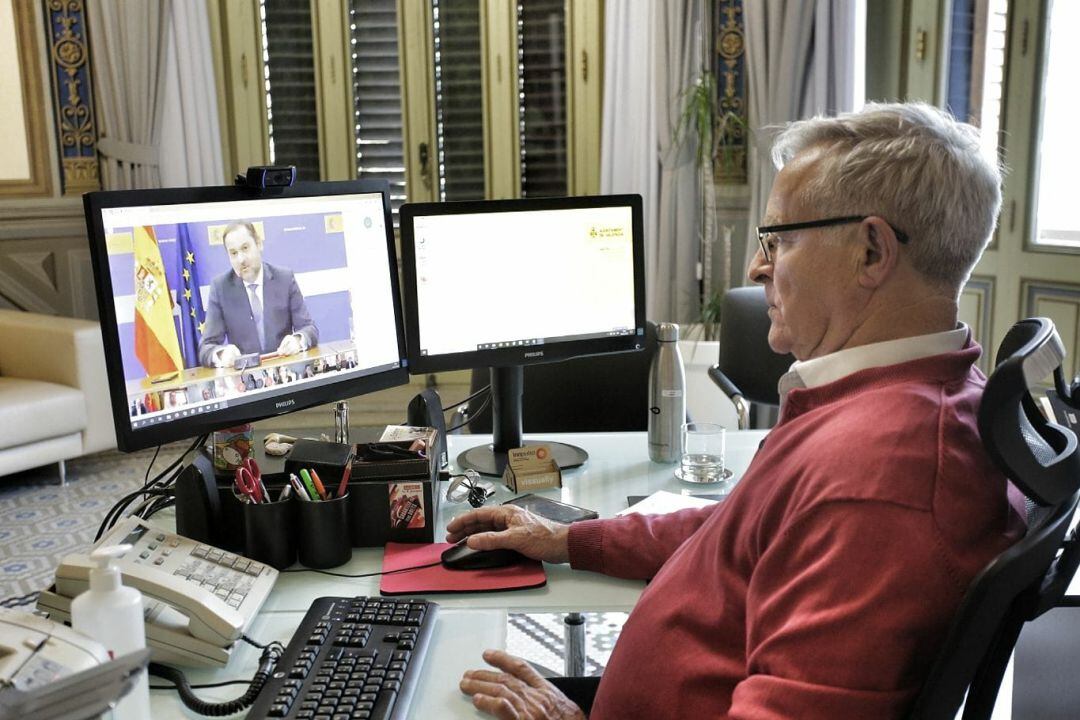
{"x":394,"y":433}
{"x":662,"y":501}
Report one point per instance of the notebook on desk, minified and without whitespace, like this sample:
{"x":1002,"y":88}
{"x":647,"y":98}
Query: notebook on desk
{"x":437,"y":579}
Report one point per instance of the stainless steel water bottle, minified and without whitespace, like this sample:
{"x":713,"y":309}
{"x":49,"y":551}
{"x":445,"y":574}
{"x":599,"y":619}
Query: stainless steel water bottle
{"x":667,"y":396}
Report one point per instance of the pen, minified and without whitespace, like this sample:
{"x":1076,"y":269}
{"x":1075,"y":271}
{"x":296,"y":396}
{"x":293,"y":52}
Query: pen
{"x":308,"y":484}
{"x":344,"y":480}
{"x":318,"y":484}
{"x":265,"y":495}
{"x":298,"y":486}
{"x":285,"y":492}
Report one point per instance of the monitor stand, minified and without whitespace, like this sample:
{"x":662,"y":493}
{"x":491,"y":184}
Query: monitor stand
{"x":507,"y":385}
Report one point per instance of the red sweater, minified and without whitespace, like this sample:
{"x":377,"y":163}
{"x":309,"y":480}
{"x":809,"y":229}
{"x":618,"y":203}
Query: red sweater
{"x":823,"y":585}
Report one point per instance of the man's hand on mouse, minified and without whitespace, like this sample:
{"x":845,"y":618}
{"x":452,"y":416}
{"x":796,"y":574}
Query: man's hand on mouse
{"x":517,"y":692}
{"x":508,"y":526}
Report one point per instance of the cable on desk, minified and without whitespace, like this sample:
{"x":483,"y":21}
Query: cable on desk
{"x":114,"y":514}
{"x":366,"y":574}
{"x":163,"y":479}
{"x":473,"y":415}
{"x":146,"y":478}
{"x":203,"y":686}
{"x":462,"y":402}
{"x":267,"y":662}
{"x":261,"y":646}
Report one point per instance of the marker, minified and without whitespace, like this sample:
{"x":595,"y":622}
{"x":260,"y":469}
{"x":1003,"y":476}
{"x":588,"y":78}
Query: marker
{"x":318,"y":484}
{"x":312,"y":493}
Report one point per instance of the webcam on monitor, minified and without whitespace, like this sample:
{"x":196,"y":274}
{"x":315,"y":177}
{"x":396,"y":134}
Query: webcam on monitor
{"x":261,"y":177}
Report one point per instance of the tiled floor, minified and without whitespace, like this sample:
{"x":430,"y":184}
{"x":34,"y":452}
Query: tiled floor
{"x":40,"y":521}
{"x":538,"y":637}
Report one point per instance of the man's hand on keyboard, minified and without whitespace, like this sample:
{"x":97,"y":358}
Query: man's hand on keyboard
{"x":508,"y":526}
{"x":517,"y":692}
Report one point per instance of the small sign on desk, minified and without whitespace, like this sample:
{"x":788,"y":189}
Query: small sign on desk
{"x":531,"y":468}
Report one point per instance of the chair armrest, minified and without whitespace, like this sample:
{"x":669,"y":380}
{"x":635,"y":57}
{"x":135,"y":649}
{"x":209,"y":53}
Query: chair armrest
{"x":65,"y":351}
{"x":742,"y":406}
{"x":724,"y":383}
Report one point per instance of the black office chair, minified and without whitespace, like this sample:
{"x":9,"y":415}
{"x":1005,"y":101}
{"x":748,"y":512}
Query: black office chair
{"x":601,"y":393}
{"x":1042,"y":459}
{"x":748,"y":371}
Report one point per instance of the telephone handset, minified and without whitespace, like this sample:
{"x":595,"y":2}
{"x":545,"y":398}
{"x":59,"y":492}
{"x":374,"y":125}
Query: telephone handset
{"x":209,"y":618}
{"x":199,"y":599}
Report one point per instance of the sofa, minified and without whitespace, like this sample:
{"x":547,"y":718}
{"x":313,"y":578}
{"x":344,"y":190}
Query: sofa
{"x":54,"y":395}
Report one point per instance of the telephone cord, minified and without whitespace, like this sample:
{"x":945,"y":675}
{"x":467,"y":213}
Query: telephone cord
{"x":267,"y":661}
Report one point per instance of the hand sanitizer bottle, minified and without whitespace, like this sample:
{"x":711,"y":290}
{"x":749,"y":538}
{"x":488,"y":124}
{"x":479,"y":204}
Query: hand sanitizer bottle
{"x":667,"y":397}
{"x":113,"y":615}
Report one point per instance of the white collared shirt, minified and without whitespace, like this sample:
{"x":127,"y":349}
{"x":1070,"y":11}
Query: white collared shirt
{"x":829,"y":368}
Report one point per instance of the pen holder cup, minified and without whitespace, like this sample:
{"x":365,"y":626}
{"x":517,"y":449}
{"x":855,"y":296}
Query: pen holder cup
{"x":270,"y":532}
{"x":324,"y":532}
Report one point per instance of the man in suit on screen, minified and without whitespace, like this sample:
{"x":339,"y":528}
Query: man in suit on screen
{"x":254,"y":308}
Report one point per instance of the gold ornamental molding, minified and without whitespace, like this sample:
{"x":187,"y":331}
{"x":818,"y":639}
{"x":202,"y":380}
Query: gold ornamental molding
{"x":730,"y":46}
{"x":69,"y":61}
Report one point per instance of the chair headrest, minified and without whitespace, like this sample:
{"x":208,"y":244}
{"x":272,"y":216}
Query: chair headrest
{"x":1039,"y":456}
{"x":745,"y":356}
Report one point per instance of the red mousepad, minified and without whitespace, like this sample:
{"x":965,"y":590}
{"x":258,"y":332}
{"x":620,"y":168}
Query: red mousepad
{"x":437,"y":579}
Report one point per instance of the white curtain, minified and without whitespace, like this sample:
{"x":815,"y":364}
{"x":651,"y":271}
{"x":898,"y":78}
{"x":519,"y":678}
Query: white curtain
{"x":628,"y":141}
{"x":800,"y":61}
{"x":189,"y":152}
{"x":128,"y":42}
{"x":652,"y":54}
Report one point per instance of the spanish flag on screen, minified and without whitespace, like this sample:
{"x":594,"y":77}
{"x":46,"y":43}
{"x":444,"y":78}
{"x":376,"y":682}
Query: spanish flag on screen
{"x":156,"y":344}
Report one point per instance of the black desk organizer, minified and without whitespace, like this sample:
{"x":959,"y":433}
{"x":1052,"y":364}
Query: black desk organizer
{"x":389,"y":490}
{"x":229,"y":534}
{"x":370,"y":486}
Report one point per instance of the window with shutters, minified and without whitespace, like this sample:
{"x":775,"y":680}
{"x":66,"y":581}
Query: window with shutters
{"x":541,"y":68}
{"x":976,"y":65}
{"x":445,"y":99}
{"x":289,"y":78}
{"x":459,"y":99}
{"x":376,"y":85}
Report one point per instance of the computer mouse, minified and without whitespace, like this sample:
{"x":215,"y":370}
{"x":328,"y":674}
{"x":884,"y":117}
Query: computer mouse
{"x":463,"y":557}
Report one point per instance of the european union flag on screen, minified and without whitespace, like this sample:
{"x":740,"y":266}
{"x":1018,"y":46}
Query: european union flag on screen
{"x":192,"y":317}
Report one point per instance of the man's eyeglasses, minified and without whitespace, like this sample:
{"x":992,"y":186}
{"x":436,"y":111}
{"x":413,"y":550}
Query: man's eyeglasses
{"x":768,"y":235}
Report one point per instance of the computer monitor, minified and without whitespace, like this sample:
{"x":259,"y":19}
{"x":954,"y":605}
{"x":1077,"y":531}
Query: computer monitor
{"x":184,"y":277}
{"x":507,"y":283}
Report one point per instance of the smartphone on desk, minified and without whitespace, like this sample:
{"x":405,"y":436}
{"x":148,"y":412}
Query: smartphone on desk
{"x":553,"y":509}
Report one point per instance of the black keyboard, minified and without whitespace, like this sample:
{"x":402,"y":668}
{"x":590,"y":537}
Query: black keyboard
{"x":355,"y":657}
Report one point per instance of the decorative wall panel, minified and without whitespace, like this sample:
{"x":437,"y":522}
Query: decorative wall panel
{"x":730,"y":163}
{"x":45,"y":260}
{"x":69,"y":61}
{"x":977,"y":310}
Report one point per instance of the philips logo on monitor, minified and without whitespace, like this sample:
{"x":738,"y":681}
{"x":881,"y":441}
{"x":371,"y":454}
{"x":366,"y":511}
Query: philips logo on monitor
{"x":538,"y":353}
{"x":284,"y":404}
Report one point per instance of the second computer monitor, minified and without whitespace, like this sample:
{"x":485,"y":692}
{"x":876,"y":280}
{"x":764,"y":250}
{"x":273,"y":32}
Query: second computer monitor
{"x":507,"y":283}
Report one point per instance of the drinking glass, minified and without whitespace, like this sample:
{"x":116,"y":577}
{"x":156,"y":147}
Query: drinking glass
{"x":702,"y":459}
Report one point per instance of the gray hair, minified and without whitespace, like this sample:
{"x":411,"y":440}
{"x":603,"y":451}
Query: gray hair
{"x":915,"y":166}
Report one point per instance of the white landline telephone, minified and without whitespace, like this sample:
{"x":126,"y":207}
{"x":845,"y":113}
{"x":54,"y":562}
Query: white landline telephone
{"x":49,"y":671}
{"x":198,"y":599}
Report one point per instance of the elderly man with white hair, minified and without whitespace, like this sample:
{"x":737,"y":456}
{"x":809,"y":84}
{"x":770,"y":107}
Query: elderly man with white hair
{"x":823,"y":586}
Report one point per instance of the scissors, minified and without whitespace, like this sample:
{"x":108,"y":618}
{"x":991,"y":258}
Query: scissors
{"x":249,"y":480}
